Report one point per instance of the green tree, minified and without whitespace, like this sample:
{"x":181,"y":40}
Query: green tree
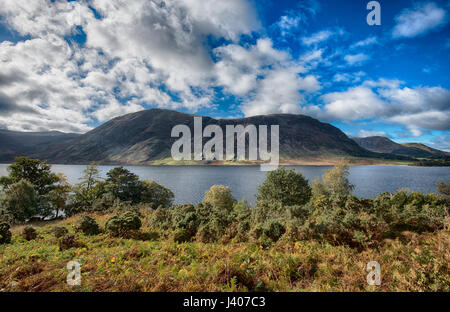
{"x":286,"y":187}
{"x":124,"y":185}
{"x":21,"y":200}
{"x":57,"y":199}
{"x":334,"y":183}
{"x":90,"y":188}
{"x":219,"y":197}
{"x":34,"y":171}
{"x":156,"y":194}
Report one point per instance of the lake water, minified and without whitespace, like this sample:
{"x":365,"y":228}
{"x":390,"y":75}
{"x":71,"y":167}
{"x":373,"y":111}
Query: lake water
{"x":189,"y":183}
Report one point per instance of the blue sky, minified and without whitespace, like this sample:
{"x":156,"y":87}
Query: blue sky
{"x":72,"y":65}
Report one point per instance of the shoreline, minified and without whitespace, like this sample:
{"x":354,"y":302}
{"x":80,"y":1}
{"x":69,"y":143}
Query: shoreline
{"x":307,"y":161}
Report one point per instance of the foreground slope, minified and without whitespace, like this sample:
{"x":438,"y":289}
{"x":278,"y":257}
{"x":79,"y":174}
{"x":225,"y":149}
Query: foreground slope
{"x":415,"y":262}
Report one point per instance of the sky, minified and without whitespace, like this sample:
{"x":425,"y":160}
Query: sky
{"x":73,"y":65}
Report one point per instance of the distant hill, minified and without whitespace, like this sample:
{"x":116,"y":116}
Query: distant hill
{"x":14,"y":143}
{"x":381,"y":144}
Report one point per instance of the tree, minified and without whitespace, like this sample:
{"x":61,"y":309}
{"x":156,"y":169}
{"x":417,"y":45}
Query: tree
{"x":36,"y":172}
{"x":124,"y":185}
{"x":286,"y":187}
{"x":21,"y":200}
{"x":58,"y":196}
{"x":156,"y":194}
{"x":90,"y":188}
{"x":334,"y":183}
{"x":219,"y":197}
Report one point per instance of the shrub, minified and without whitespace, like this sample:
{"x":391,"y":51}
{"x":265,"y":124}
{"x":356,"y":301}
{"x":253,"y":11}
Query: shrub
{"x":219,"y":197}
{"x":185,"y":217}
{"x":156,"y":194}
{"x":5,"y":233}
{"x":444,"y":189}
{"x":412,"y":211}
{"x":160,"y":218}
{"x":123,"y":223}
{"x":274,"y":230}
{"x":68,"y":241}
{"x":213,"y":222}
{"x":182,"y":235}
{"x":29,"y":233}
{"x":103,"y":203}
{"x":87,"y":225}
{"x":59,"y":231}
{"x":286,"y":187}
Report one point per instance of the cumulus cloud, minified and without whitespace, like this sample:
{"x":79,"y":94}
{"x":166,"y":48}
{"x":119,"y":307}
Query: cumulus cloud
{"x":238,"y":68}
{"x":279,"y":92}
{"x":354,"y":104}
{"x":417,"y":109}
{"x":419,"y":20}
{"x":136,"y":54}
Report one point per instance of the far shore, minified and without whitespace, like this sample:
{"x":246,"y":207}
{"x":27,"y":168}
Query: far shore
{"x":284,"y":162}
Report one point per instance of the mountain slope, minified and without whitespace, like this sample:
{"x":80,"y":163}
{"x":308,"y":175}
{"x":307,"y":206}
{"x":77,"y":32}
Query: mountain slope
{"x":145,"y":136}
{"x":14,"y":143}
{"x":384,"y":145}
{"x":428,"y":149}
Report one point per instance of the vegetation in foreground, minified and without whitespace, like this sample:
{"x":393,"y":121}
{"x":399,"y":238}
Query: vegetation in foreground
{"x":128,"y":236}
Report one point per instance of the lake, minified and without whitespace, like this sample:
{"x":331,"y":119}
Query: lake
{"x":189,"y":183}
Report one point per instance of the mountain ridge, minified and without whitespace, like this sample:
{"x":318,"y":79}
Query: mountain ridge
{"x":144,"y":137}
{"x":382,"y":144}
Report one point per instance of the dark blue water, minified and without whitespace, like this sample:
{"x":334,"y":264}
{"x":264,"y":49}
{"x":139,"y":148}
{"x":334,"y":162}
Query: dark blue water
{"x":189,"y":183}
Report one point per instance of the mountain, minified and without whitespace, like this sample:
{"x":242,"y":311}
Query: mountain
{"x":14,"y":143}
{"x":428,"y":149}
{"x":381,"y":144}
{"x":145,"y":136}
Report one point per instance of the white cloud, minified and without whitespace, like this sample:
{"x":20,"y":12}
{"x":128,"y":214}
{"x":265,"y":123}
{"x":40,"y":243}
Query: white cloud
{"x":356,"y":59}
{"x":441,"y":142}
{"x":322,"y":36}
{"x":317,"y":37}
{"x":419,"y":20}
{"x":349,"y":77}
{"x":370,"y":133}
{"x":288,"y":23}
{"x":419,"y":108}
{"x":132,"y":53}
{"x":279,"y":92}
{"x":354,"y":104}
{"x":238,"y":68}
{"x":364,"y":43}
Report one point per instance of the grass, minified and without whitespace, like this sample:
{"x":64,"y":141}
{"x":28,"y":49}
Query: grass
{"x":412,"y":262}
